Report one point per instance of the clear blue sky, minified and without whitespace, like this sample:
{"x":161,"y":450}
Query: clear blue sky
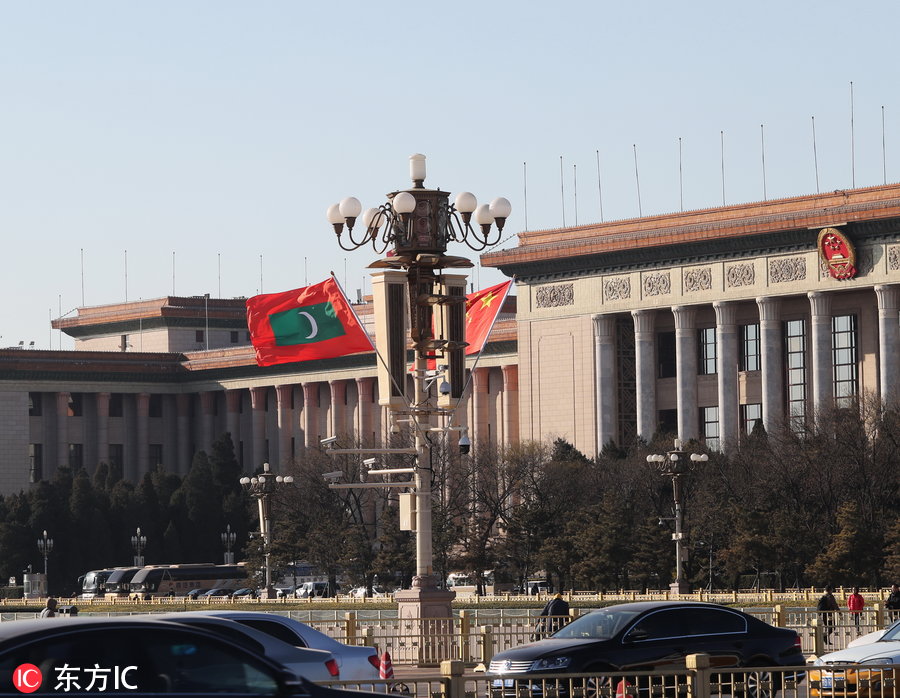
{"x":220,"y":131}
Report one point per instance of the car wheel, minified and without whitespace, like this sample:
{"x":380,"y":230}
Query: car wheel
{"x":759,"y":684}
{"x":598,"y":686}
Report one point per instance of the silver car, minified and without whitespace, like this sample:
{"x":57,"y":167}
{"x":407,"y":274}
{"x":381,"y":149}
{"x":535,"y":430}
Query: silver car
{"x":313,"y":664}
{"x":354,"y":663}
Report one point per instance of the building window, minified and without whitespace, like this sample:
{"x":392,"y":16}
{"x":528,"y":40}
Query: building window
{"x":707,"y":348}
{"x":76,"y":456}
{"x":35,"y":462}
{"x":751,"y":416}
{"x":117,"y":455}
{"x":234,"y":337}
{"x":795,"y":339}
{"x":199,"y":336}
{"x":709,"y":423}
{"x":750,"y":353}
{"x":76,"y":404}
{"x":116,"y":402}
{"x":668,"y":421}
{"x":155,"y":407}
{"x":156,"y":455}
{"x":665,"y":355}
{"x":35,"y":406}
{"x":844,"y":357}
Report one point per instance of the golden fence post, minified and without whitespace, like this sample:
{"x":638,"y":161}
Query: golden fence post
{"x":452,"y":670}
{"x":350,"y":627}
{"x":465,"y":631}
{"x":779,"y":616}
{"x":487,"y":643}
{"x":698,"y":675}
{"x":369,"y":637}
{"x":879,"y":615}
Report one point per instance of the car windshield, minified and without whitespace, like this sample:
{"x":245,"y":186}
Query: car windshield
{"x":892,"y":633}
{"x":598,"y":625}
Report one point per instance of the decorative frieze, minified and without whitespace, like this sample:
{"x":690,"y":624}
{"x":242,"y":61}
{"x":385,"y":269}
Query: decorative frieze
{"x":657,"y":284}
{"x":699,"y":279}
{"x":555,"y":296}
{"x":617,"y":288}
{"x":740,"y":275}
{"x":894,"y":258}
{"x":787,"y":269}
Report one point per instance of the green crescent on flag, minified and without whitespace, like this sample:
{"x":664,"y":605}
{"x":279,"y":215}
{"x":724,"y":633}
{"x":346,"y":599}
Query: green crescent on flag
{"x":306,"y":324}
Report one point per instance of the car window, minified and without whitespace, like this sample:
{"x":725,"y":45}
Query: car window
{"x":232,"y":633}
{"x":659,"y":625}
{"x":275,"y":629}
{"x":714,"y":621}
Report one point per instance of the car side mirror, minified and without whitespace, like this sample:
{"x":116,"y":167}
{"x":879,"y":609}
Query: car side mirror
{"x":636,"y":635}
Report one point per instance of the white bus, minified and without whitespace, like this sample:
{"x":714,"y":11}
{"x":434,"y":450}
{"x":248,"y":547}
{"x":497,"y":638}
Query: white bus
{"x":178,"y":580}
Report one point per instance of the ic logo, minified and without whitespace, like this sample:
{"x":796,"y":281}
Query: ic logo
{"x":27,"y":678}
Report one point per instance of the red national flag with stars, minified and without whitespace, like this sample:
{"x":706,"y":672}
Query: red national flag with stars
{"x":315,"y":322}
{"x":482,"y":309}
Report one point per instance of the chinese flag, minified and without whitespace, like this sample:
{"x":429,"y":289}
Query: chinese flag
{"x":482,"y":309}
{"x":315,"y":322}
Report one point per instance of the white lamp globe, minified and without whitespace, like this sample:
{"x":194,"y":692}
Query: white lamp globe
{"x":404,"y":202}
{"x":483,"y":215}
{"x":334,"y":214}
{"x":466,"y":202}
{"x":501,"y":208}
{"x":350,"y":207}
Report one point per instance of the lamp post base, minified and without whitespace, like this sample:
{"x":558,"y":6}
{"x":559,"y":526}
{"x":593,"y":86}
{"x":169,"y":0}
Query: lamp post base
{"x":426,"y":622}
{"x":679,"y":587}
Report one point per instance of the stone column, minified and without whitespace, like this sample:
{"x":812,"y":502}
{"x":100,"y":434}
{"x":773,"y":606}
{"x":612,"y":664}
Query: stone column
{"x":206,"y":420}
{"x":606,"y":385}
{"x":645,"y":365}
{"x":233,"y":419}
{"x":771,"y":362}
{"x":686,"y":371}
{"x":284,"y":395}
{"x":311,"y":414}
{"x":258,"y":422}
{"x":135,"y":471}
{"x":510,"y":403}
{"x":365,"y":388}
{"x":822,"y":375}
{"x":889,"y":343}
{"x":727,"y":370}
{"x":338,"y":411}
{"x":480,"y":388}
{"x":62,"y":431}
{"x":183,"y":428}
{"x":102,"y":401}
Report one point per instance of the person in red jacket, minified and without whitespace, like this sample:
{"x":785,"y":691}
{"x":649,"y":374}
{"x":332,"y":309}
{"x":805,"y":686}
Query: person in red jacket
{"x":855,"y":604}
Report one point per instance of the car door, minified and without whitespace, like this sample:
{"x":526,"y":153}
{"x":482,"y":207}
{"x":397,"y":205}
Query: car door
{"x":656,"y":640}
{"x":718,"y":632}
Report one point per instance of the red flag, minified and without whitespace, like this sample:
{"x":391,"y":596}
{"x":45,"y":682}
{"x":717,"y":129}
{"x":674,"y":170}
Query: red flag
{"x":315,"y":322}
{"x":482,"y":309}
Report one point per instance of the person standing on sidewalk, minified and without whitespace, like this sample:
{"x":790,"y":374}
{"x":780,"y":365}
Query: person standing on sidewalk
{"x":827,"y":607}
{"x":855,"y":604}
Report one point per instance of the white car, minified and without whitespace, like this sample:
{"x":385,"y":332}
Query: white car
{"x":847,"y":672}
{"x":355,"y":663}
{"x":312,"y":664}
{"x":872,"y":637}
{"x":360,"y":592}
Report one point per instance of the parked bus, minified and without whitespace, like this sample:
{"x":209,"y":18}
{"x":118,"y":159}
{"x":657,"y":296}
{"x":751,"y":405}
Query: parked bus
{"x":119,"y":581}
{"x":92,"y":584}
{"x":178,"y":580}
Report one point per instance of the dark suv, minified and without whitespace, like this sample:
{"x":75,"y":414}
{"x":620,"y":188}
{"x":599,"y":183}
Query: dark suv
{"x":647,"y":636}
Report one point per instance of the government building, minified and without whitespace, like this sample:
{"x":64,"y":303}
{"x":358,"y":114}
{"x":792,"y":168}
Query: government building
{"x":703,"y":323}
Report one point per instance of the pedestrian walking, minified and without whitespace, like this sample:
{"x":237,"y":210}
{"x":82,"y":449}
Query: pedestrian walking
{"x":893,"y":601}
{"x":827,"y":606}
{"x":855,"y":604}
{"x":554,"y":616}
{"x":49,"y":610}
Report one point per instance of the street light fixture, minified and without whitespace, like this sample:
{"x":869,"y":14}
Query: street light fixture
{"x":674,"y":464}
{"x":417,"y":224}
{"x":261,"y":487}
{"x":138,"y":542}
{"x":228,"y":539}
{"x":45,"y":546}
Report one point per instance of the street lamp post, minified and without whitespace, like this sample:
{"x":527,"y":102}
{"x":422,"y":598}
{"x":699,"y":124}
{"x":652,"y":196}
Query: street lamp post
{"x":674,"y":464}
{"x":138,"y":542}
{"x":261,"y":487}
{"x":45,"y":546}
{"x":414,"y":228}
{"x":228,"y":539}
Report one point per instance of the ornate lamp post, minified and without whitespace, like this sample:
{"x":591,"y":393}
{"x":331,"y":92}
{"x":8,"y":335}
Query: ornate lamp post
{"x":675,"y":464}
{"x":138,"y":542}
{"x":414,"y":228}
{"x":45,"y":546}
{"x":261,"y":487}
{"x":228,"y":539}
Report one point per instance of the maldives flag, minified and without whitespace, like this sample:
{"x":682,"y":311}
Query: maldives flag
{"x":315,"y":322}
{"x":482,"y":309}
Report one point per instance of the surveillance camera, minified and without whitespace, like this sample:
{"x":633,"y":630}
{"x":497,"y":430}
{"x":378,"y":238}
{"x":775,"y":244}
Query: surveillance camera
{"x":327,"y":442}
{"x":370,"y":462}
{"x":661,"y":522}
{"x":464,"y":445}
{"x":335,"y":475}
{"x":444,"y":388}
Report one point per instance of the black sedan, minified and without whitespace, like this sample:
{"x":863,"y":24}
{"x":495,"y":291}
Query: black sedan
{"x":137,"y":655}
{"x":649,"y":636}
